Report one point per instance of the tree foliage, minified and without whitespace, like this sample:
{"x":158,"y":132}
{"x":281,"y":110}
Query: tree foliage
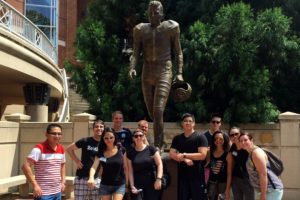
{"x":103,"y":80}
{"x":241,"y":61}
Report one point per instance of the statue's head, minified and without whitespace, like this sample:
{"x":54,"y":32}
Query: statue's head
{"x":155,"y":12}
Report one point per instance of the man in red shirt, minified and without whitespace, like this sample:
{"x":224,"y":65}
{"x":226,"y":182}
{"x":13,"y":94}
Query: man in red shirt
{"x":49,"y":160}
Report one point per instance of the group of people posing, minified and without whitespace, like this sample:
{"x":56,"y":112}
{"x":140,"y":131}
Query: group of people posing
{"x":217,"y":165}
{"x":116,"y":162}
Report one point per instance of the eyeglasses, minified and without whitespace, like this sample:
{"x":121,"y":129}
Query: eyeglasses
{"x":138,"y":135}
{"x":109,"y":138}
{"x":216,"y":122}
{"x":233,"y":134}
{"x":55,"y":134}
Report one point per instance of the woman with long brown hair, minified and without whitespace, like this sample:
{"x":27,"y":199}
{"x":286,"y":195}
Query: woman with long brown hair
{"x":266,"y":184}
{"x":114,"y":167}
{"x":241,"y":187}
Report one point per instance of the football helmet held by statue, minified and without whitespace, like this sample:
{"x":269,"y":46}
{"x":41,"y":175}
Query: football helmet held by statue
{"x":181,"y":91}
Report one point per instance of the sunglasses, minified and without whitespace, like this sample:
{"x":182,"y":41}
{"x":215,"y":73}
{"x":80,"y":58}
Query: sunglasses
{"x":55,"y":134}
{"x":218,"y":139}
{"x":109,"y":138}
{"x":138,"y":135}
{"x":216,"y":122}
{"x":234,"y":134}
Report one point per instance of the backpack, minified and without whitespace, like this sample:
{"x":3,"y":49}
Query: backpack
{"x":276,"y":165}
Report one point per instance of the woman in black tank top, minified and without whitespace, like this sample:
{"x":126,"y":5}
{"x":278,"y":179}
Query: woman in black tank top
{"x":219,"y":181}
{"x":114,"y":167}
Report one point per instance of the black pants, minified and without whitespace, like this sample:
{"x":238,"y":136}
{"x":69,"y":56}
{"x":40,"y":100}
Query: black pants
{"x":193,"y":189}
{"x":146,"y":183}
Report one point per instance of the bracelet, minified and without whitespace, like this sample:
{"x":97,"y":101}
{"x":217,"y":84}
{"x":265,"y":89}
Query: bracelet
{"x":158,"y":178}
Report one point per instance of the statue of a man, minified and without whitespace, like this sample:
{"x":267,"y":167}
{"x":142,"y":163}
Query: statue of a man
{"x":156,"y":40}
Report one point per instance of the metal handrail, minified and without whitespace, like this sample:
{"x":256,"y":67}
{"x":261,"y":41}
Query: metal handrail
{"x":65,"y":111}
{"x":17,"y":23}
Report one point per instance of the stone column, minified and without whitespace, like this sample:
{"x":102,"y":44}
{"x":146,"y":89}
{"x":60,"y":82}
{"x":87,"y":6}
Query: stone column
{"x":37,"y":97}
{"x":81,"y":125}
{"x":290,"y":154}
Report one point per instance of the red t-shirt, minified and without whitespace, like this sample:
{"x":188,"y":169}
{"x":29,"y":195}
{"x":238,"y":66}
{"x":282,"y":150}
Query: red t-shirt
{"x":47,"y":166}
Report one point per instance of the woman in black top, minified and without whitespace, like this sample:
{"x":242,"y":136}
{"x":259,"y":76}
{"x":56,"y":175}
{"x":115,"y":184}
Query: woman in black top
{"x":219,"y":181}
{"x":114,"y":165}
{"x":241,"y":188}
{"x":141,"y":161}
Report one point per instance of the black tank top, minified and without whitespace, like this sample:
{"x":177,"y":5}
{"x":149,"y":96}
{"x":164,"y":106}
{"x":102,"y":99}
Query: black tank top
{"x":218,"y":168}
{"x":113,"y":169}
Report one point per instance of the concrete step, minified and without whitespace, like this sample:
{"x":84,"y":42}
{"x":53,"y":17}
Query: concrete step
{"x":77,"y":103}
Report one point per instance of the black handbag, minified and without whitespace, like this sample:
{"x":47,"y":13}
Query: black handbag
{"x":165,"y":179}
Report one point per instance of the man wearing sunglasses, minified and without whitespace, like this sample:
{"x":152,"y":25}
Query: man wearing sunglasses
{"x":215,"y":124}
{"x":48,"y":159}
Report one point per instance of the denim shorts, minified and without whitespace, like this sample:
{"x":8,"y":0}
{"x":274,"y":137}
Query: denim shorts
{"x":50,"y":197}
{"x":111,"y":189}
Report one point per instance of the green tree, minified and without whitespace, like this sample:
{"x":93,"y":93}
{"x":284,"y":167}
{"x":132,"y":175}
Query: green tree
{"x":225,"y":56}
{"x":279,"y":50}
{"x":103,"y":79}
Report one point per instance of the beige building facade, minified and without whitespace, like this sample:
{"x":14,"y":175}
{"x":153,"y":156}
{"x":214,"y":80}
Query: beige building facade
{"x":32,"y":77}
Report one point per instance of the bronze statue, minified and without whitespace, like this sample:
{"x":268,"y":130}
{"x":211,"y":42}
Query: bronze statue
{"x":156,"y":40}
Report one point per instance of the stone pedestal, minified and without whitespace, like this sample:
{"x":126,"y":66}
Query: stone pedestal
{"x":171,"y":191}
{"x":37,"y":97}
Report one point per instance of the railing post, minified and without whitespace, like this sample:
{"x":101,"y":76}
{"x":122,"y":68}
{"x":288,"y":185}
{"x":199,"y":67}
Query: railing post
{"x":10,"y":20}
{"x":14,"y":26}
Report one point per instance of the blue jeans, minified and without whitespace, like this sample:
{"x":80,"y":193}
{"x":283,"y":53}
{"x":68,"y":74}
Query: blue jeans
{"x":56,"y":196}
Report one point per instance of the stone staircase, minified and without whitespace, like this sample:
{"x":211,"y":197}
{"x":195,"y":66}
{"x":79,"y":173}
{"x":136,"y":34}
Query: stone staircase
{"x":77,"y":103}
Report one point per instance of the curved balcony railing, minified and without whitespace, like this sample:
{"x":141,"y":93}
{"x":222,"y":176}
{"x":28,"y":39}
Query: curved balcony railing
{"x":17,"y":23}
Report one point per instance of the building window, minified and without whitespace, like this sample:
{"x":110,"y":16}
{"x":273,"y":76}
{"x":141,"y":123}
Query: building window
{"x":44,"y":14}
